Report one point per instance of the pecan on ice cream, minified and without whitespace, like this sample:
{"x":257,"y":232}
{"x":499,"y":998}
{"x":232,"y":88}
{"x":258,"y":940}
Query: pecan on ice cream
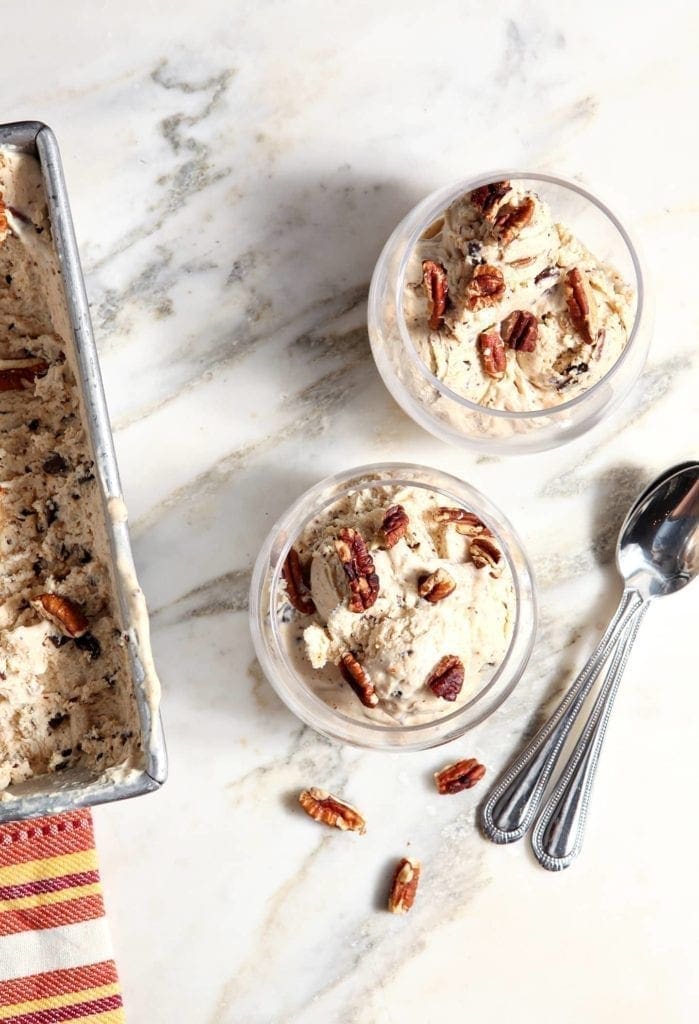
{"x":511,"y":219}
{"x":353,"y":673}
{"x":447,"y":677}
{"x":436,"y":285}
{"x":395,"y":523}
{"x":520,"y":330}
{"x":296,"y":587}
{"x":487,"y":197}
{"x":581,"y":304}
{"x":493,"y":355}
{"x":436,"y":586}
{"x":359,"y":569}
{"x":63,"y":613}
{"x":486,"y":287}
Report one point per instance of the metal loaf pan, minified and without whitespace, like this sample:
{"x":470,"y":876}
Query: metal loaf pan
{"x":79,"y":787}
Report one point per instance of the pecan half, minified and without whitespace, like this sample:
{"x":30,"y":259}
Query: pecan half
{"x":436,"y":285}
{"x":359,"y":569}
{"x":358,"y":679}
{"x":581,"y":304}
{"x":15,"y":373}
{"x":467,"y":523}
{"x":487,"y":197}
{"x":326,"y":808}
{"x":486,"y":287}
{"x":447,"y":677}
{"x":511,"y":219}
{"x":3,"y":218}
{"x":462,"y":775}
{"x":404,"y":886}
{"x":436,"y":586}
{"x":520,"y":330}
{"x":493,"y":355}
{"x":64,"y":615}
{"x":394,"y":525}
{"x":484,"y":552}
{"x":296,"y":587}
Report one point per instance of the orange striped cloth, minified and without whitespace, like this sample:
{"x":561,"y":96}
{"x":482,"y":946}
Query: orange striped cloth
{"x":55,"y":950}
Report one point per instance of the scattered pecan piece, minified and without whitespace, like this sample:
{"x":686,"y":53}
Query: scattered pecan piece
{"x":493,"y":355}
{"x":462,"y":775}
{"x":394,"y":525}
{"x":581,"y":303}
{"x":359,"y":569}
{"x":436,"y":586}
{"x":487,"y":197}
{"x":520,"y":330}
{"x":447,"y":677}
{"x":465,"y":522}
{"x":511,"y":219}
{"x":64,"y":615}
{"x":404,"y":886}
{"x":358,"y":679}
{"x":436,"y":285}
{"x":326,"y":808}
{"x":484,"y":552}
{"x":15,"y":373}
{"x":486,"y":287}
{"x":296,"y":588}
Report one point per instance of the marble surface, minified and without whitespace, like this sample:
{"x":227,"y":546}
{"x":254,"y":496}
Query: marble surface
{"x":234,"y":170}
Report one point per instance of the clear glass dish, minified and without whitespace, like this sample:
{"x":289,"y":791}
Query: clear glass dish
{"x":293,"y":688}
{"x":453,"y":418}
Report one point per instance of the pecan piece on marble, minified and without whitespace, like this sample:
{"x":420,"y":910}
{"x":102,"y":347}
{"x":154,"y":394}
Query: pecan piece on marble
{"x":486,"y":287}
{"x":296,"y":587}
{"x":581,"y":304}
{"x":329,"y":810}
{"x":465,"y":522}
{"x":447,"y":677}
{"x":436,"y":285}
{"x":355,"y":675}
{"x":487,"y":197}
{"x":484,"y":551}
{"x":493,"y":355}
{"x":404,"y":886}
{"x":15,"y":373}
{"x":461,"y":775}
{"x":520,"y":330}
{"x":359,"y":569}
{"x":511,"y":219}
{"x":395,"y":523}
{"x":63,"y":613}
{"x":436,"y":586}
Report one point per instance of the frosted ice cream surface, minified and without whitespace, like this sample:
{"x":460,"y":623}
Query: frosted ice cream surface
{"x":508,"y":308}
{"x":438,"y":589}
{"x":65,"y":691}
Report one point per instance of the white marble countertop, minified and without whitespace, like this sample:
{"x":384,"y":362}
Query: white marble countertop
{"x":234,"y":170}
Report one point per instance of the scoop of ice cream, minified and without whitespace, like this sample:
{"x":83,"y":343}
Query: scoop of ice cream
{"x":531,"y":259}
{"x":400,"y":638}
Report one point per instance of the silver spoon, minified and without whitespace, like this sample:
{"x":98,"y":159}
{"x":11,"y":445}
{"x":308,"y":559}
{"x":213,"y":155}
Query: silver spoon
{"x":656,"y":554}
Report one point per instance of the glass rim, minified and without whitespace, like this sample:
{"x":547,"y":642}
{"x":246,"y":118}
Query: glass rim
{"x":446,"y":195}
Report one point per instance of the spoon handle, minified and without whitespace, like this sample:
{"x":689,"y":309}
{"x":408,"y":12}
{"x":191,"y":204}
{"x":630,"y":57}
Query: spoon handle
{"x":511,"y":806}
{"x":558,"y":834}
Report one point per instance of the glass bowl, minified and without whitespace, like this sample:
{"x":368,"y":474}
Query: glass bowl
{"x":446,"y":414}
{"x":293,"y":688}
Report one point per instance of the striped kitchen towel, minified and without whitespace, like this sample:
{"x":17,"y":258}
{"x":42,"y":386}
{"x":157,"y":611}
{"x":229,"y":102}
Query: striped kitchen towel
{"x":55,"y":950}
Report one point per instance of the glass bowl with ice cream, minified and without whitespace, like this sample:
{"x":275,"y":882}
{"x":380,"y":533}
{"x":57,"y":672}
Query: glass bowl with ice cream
{"x":393,"y":607}
{"x":509,"y":313}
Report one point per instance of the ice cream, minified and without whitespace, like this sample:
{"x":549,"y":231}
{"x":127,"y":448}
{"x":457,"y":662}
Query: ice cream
{"x":396,"y":605}
{"x":508,"y":308}
{"x":65,"y":692}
